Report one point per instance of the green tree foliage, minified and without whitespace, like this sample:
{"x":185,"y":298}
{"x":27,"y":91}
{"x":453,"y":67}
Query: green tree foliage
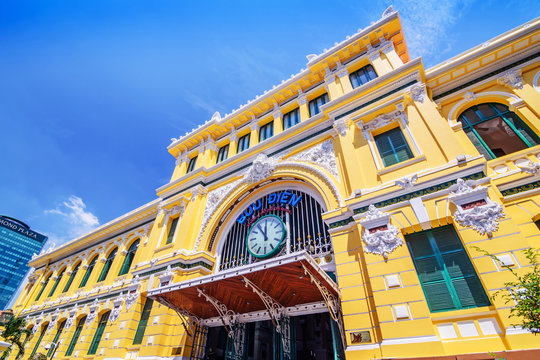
{"x":524,"y":290}
{"x":14,"y":329}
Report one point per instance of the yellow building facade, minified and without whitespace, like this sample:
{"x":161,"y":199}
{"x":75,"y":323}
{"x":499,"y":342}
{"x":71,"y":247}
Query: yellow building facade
{"x":332,"y":217}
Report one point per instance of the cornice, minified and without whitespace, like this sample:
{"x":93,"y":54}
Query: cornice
{"x":105,"y":231}
{"x":484,"y":48}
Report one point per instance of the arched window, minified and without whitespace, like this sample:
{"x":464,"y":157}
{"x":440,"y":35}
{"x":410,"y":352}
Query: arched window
{"x":76,"y":335}
{"x":43,"y":287}
{"x":88,"y":272}
{"x":107,"y":265}
{"x":71,"y":277}
{"x":58,"y":279}
{"x":94,"y":346}
{"x":301,"y":215}
{"x":496,"y":131}
{"x":128,"y":259}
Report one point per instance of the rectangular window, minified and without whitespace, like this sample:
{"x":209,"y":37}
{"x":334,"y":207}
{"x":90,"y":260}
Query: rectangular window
{"x":145,"y":315}
{"x":191,"y":165}
{"x":243,"y":143}
{"x":291,"y":118}
{"x":223,"y":153}
{"x":99,"y":333}
{"x":266,"y":131}
{"x":172,"y":229}
{"x":315,"y":104}
{"x":445,"y":271}
{"x":75,"y":337}
{"x":393,"y":147}
{"x":55,"y":344}
{"x":362,"y":76}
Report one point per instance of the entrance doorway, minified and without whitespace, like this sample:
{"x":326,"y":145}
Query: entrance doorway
{"x":315,"y":337}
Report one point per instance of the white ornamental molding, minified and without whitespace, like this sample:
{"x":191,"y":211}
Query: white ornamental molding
{"x":322,"y":155}
{"x":531,"y":168}
{"x":54,"y":319}
{"x":166,"y":277}
{"x":511,"y":79}
{"x":418,"y":92}
{"x":407,"y":182}
{"x":382,"y":120}
{"x":133,"y":292}
{"x":469,"y":96}
{"x":262,"y":167}
{"x":176,"y":209}
{"x":71,"y":318}
{"x":341,"y":126}
{"x":380,"y":236}
{"x":92,"y":313}
{"x":474,"y":208}
{"x":117,"y":309}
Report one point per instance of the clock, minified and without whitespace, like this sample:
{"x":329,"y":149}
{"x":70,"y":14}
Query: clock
{"x":266,"y":236}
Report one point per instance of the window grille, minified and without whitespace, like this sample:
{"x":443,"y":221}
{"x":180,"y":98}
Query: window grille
{"x":305,"y":231}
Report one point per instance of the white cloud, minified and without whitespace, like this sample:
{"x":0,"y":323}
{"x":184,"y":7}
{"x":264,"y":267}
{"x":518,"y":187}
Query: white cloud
{"x":427,"y":26}
{"x":69,"y":220}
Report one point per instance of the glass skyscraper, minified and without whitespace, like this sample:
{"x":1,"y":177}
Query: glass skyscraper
{"x":17,"y":245}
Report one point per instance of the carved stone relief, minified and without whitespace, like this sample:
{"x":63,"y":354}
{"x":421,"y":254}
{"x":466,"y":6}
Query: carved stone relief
{"x":380,"y":236}
{"x":482,"y":218}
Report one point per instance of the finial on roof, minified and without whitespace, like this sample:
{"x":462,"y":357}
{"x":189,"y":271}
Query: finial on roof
{"x":388,"y":11}
{"x":310,"y":57}
{"x":216,"y":116}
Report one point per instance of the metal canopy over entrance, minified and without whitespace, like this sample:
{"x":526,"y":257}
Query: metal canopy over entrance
{"x":278,"y":288}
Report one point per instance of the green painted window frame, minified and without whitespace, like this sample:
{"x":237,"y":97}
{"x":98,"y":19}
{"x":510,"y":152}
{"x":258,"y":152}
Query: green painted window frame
{"x":291,"y":118}
{"x":107,"y":266}
{"x":43,"y":287}
{"x":58,"y":279}
{"x":362,"y":76}
{"x":453,"y":266}
{"x":143,"y":321}
{"x":315,"y":104}
{"x":43,"y":331}
{"x":481,"y":146}
{"x":243,"y":143}
{"x":94,"y":345}
{"x":266,"y":131}
{"x":223,"y":153}
{"x":172,"y":229}
{"x":75,"y":338}
{"x":71,"y":278}
{"x":128,"y":259}
{"x":88,"y":272}
{"x":191,"y":164}
{"x":56,"y":337}
{"x":398,"y":149}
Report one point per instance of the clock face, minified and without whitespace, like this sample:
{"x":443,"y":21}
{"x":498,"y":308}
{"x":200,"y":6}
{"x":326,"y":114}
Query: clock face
{"x":265,"y":237}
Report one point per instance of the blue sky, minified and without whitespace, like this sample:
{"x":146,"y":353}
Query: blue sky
{"x":92,"y":91}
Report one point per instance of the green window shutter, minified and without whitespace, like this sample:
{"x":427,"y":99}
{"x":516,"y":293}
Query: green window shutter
{"x":42,"y":288}
{"x":56,"y":337}
{"x":75,"y":337}
{"x":71,"y":277}
{"x":107,"y":265}
{"x":128,"y":259}
{"x":43,"y":331}
{"x":445,"y":271}
{"x":145,"y":315}
{"x":58,"y":279}
{"x":99,"y":333}
{"x":172,"y":229}
{"x":88,"y":272}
